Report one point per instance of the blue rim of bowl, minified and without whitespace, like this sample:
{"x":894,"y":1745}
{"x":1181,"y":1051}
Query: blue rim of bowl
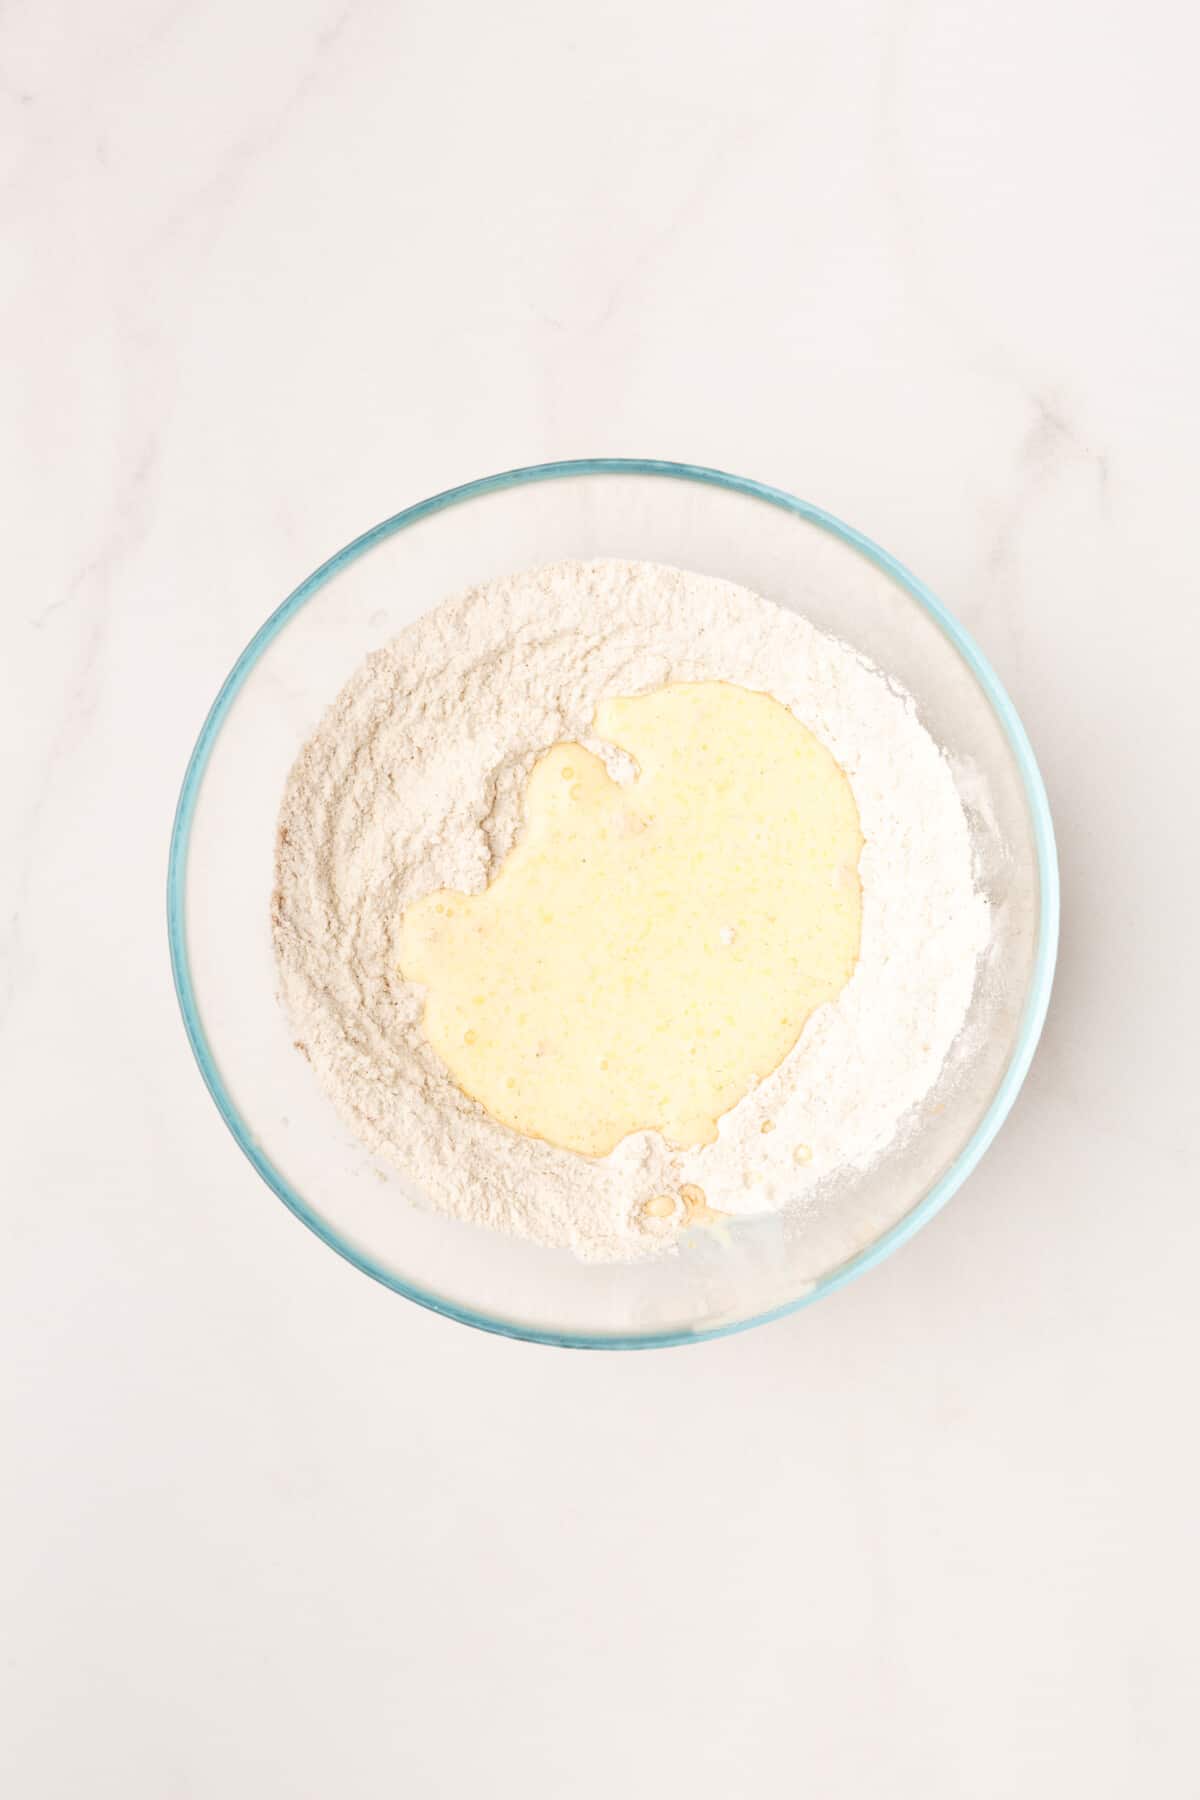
{"x":1036,"y":1002}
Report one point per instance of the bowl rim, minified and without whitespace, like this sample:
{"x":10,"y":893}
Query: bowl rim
{"x":1036,"y":1000}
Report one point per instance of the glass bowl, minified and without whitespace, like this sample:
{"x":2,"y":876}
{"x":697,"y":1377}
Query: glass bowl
{"x":221,"y":875}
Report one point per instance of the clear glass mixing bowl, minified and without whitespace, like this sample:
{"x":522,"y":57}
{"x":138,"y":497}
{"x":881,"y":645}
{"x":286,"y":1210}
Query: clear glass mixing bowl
{"x":221,"y":871}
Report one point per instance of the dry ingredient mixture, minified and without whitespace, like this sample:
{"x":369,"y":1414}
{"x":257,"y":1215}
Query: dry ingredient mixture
{"x":414,"y":782}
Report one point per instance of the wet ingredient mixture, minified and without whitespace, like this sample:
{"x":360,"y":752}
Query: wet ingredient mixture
{"x":651,"y":948}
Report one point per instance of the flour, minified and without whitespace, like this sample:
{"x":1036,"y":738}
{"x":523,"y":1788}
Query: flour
{"x":414,"y":781}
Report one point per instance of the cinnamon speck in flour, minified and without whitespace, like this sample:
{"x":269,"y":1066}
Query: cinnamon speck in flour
{"x":413,"y":782}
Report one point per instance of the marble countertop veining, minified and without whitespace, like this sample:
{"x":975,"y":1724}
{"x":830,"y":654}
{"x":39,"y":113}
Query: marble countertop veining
{"x":269,"y":274}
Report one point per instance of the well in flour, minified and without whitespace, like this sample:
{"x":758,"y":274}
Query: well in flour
{"x":414,"y":782}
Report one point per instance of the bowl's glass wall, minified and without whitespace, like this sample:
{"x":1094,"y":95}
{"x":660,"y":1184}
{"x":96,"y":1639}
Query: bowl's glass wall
{"x":223,"y":873}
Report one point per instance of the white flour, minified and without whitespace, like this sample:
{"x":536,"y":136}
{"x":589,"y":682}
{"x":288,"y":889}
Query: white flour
{"x":414,"y":780}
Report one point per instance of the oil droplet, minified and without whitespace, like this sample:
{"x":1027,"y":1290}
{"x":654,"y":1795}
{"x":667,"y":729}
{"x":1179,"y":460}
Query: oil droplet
{"x":695,"y":1201}
{"x":567,"y":772}
{"x":802,"y":1153}
{"x":469,"y":1037}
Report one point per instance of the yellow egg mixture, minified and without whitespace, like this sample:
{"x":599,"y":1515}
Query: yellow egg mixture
{"x":649,"y":949}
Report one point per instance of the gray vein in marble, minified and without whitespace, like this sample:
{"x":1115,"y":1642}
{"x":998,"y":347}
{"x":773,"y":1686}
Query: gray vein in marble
{"x":686,"y":212}
{"x":129,"y":526}
{"x":131,"y":519}
{"x":689,"y":208}
{"x":1051,"y":447}
{"x":253,"y":143}
{"x":1051,"y":440}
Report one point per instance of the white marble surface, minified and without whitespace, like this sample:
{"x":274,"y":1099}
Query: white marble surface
{"x":270,"y":273}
